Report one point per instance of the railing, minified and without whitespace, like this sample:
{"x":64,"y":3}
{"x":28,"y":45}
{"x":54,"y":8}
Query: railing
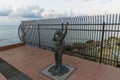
{"x":95,"y":38}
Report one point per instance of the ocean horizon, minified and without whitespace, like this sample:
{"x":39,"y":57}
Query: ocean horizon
{"x":9,"y":35}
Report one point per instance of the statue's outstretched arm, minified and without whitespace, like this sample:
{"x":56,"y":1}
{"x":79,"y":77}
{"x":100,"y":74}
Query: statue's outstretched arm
{"x":64,"y":34}
{"x":54,"y":39}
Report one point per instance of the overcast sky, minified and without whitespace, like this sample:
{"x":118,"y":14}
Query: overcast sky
{"x":14,"y":11}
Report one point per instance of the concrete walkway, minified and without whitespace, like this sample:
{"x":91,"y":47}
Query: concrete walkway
{"x":31,"y":61}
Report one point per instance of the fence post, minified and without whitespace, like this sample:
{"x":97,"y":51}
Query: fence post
{"x":103,"y":28}
{"x":39,"y":44}
{"x":62,"y":26}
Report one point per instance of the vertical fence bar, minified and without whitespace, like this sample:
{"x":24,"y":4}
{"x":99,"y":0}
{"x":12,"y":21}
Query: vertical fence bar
{"x":37,"y":36}
{"x":90,"y":32}
{"x":35,"y":41}
{"x":31,"y":35}
{"x":62,"y":26}
{"x":39,"y":45}
{"x":102,"y":40}
{"x":109,"y":34}
{"x":96,"y":37}
{"x":32,"y":27}
{"x":93,"y":32}
{"x":81,"y":32}
{"x":34,"y":35}
{"x":29,"y":32}
{"x":117,"y":55}
{"x":115,"y":42}
{"x":113,"y":27}
{"x":106,"y":42}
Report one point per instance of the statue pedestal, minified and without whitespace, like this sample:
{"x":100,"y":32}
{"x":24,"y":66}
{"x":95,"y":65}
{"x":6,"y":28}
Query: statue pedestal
{"x":56,"y":77}
{"x":58,"y":71}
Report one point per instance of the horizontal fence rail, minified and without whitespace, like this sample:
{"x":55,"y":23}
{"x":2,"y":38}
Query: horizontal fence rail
{"x":95,"y":38}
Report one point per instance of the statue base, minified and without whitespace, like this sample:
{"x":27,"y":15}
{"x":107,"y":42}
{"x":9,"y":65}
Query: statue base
{"x":57,"y":74}
{"x":56,"y":71}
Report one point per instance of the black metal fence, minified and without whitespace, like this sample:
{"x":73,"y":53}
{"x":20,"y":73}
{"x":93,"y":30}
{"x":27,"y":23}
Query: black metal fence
{"x":95,"y":38}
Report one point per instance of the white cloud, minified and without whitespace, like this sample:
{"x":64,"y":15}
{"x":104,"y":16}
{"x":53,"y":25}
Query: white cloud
{"x":30,"y":9}
{"x":35,"y":12}
{"x":54,"y":14}
{"x":4,"y":10}
{"x":29,"y":12}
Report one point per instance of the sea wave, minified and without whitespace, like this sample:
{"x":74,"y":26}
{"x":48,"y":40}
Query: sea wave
{"x":8,"y":35}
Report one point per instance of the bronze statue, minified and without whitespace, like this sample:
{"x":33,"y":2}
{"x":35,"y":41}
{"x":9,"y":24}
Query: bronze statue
{"x":58,"y":69}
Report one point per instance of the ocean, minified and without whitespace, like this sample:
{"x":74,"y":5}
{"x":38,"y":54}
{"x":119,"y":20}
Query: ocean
{"x":9,"y":35}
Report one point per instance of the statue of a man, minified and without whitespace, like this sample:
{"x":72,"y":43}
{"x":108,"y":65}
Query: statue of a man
{"x":58,"y":69}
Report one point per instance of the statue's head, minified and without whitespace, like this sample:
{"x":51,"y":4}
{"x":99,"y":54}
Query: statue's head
{"x":59,"y":32}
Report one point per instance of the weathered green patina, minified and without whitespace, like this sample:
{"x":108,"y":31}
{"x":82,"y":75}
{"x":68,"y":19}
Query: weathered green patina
{"x":58,"y":69}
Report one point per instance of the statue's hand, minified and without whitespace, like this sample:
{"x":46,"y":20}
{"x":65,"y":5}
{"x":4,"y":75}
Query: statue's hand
{"x":65,"y":26}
